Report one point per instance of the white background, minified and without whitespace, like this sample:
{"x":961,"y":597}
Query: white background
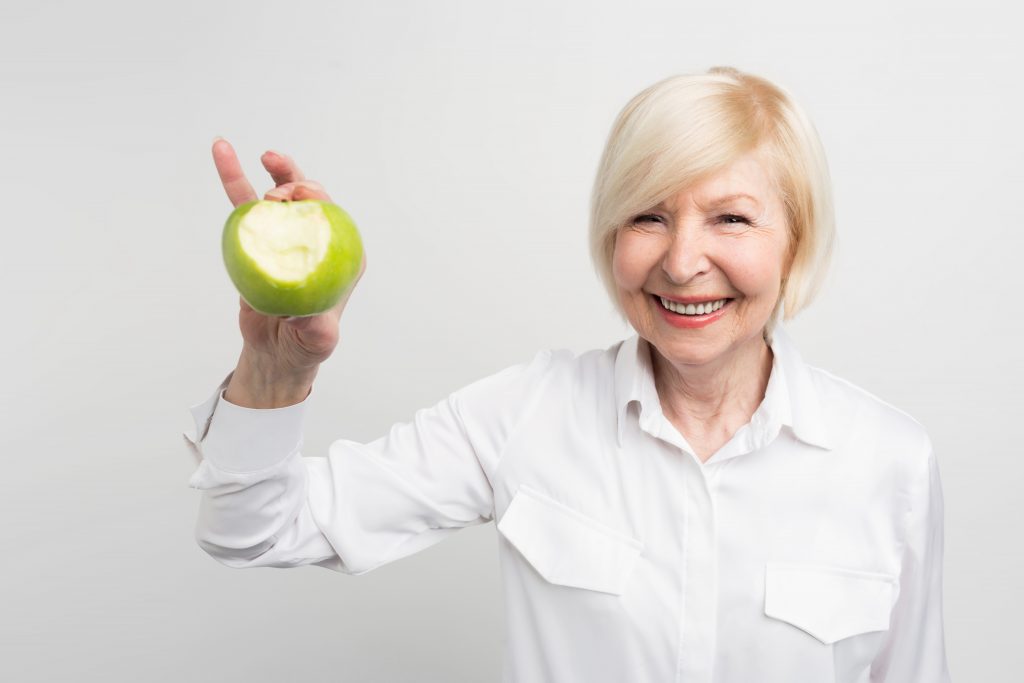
{"x":463,"y":138}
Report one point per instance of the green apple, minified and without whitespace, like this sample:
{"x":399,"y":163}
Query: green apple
{"x":291,"y":258}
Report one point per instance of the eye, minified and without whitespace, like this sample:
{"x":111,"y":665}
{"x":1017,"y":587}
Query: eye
{"x":733,"y":219}
{"x":647,"y":217}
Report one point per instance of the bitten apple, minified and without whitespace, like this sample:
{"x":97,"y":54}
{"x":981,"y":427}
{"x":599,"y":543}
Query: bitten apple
{"x":291,"y":258}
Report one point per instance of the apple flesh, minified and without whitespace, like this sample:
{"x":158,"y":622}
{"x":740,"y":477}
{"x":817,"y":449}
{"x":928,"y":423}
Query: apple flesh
{"x":291,"y":258}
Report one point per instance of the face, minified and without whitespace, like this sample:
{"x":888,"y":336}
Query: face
{"x":701,"y":245}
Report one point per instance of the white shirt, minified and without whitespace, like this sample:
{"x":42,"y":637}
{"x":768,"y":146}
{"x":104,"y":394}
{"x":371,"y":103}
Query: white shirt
{"x":807,"y":549}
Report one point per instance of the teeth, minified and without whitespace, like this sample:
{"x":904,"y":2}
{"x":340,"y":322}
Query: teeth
{"x":693,"y":309}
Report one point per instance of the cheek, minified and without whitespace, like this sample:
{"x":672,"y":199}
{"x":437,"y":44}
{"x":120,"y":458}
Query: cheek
{"x":622,"y":262}
{"x":620,"y":270}
{"x":756,"y":270}
{"x":632,"y":260}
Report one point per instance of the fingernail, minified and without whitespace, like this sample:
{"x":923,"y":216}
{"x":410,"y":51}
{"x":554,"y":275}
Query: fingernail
{"x":274,"y":154}
{"x":216,"y":139}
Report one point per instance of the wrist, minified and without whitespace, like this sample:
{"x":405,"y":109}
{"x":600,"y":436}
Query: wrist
{"x":260,"y":383}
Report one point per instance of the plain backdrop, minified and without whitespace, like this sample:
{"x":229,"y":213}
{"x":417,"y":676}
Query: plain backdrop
{"x":463,"y":137}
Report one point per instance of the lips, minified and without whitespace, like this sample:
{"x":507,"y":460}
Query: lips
{"x":691,"y":322}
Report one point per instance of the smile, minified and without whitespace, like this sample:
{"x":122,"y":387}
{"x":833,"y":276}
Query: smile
{"x":692,"y":315}
{"x":692,"y":309}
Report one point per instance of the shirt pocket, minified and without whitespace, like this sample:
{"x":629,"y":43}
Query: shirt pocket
{"x":830,"y":603}
{"x":567,"y":547}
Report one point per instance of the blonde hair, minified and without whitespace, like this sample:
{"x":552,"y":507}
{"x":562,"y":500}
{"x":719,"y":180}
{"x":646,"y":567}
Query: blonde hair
{"x":686,"y":127}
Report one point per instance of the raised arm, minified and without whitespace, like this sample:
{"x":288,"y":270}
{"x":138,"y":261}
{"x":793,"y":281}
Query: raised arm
{"x":364,"y":504}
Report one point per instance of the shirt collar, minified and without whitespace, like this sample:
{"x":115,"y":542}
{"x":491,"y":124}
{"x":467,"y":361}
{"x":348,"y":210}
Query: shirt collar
{"x":791,"y":395}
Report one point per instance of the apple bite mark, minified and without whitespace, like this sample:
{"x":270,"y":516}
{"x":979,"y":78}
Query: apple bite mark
{"x":291,"y":258}
{"x":287,"y":242}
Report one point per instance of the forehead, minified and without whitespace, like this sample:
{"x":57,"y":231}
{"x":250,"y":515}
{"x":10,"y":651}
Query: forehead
{"x":746,"y":180}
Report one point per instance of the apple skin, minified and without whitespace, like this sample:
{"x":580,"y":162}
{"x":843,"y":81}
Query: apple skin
{"x":319,"y":291}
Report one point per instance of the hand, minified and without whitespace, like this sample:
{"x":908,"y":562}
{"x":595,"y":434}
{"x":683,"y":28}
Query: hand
{"x":285,"y":344}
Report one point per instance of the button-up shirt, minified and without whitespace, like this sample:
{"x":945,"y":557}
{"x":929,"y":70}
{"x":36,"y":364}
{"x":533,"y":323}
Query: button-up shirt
{"x":807,"y":548}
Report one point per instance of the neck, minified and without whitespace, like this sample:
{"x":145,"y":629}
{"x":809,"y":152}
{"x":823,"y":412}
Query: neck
{"x":722,"y":394}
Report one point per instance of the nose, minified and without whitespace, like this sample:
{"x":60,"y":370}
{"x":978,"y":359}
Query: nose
{"x":686,"y":256}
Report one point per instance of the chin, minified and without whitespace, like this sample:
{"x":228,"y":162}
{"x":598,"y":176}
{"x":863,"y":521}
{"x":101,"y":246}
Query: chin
{"x":706,"y":348}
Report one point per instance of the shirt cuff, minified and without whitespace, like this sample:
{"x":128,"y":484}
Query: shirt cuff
{"x":238,"y":439}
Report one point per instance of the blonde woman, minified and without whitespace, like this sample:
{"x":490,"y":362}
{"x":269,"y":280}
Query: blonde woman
{"x":694,"y":503}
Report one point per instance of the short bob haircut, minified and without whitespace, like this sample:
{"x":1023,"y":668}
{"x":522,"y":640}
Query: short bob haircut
{"x":686,"y":127}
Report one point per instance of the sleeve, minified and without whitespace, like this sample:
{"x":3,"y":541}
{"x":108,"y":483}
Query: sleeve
{"x":365,"y":504}
{"x":914,"y":650}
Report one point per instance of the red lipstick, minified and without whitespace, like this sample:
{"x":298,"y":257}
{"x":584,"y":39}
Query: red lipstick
{"x":691,"y":321}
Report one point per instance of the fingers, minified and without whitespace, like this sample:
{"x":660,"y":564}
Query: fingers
{"x":291,"y":183}
{"x":303,"y":189}
{"x":281,"y":168}
{"x":316,"y":191}
{"x":236,"y":186}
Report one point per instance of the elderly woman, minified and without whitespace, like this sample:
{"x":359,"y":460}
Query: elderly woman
{"x":694,"y":503}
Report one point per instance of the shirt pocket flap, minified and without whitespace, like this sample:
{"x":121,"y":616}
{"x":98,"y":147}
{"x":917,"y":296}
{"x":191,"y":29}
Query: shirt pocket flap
{"x":829,"y":603}
{"x":567,"y":547}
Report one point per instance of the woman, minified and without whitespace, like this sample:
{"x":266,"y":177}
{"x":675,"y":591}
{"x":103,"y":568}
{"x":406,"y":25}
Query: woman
{"x":693,"y":503}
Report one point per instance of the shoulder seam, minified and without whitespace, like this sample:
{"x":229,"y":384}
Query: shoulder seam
{"x":523,"y":367}
{"x":527,"y":410}
{"x":548,"y":357}
{"x":868,"y":394}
